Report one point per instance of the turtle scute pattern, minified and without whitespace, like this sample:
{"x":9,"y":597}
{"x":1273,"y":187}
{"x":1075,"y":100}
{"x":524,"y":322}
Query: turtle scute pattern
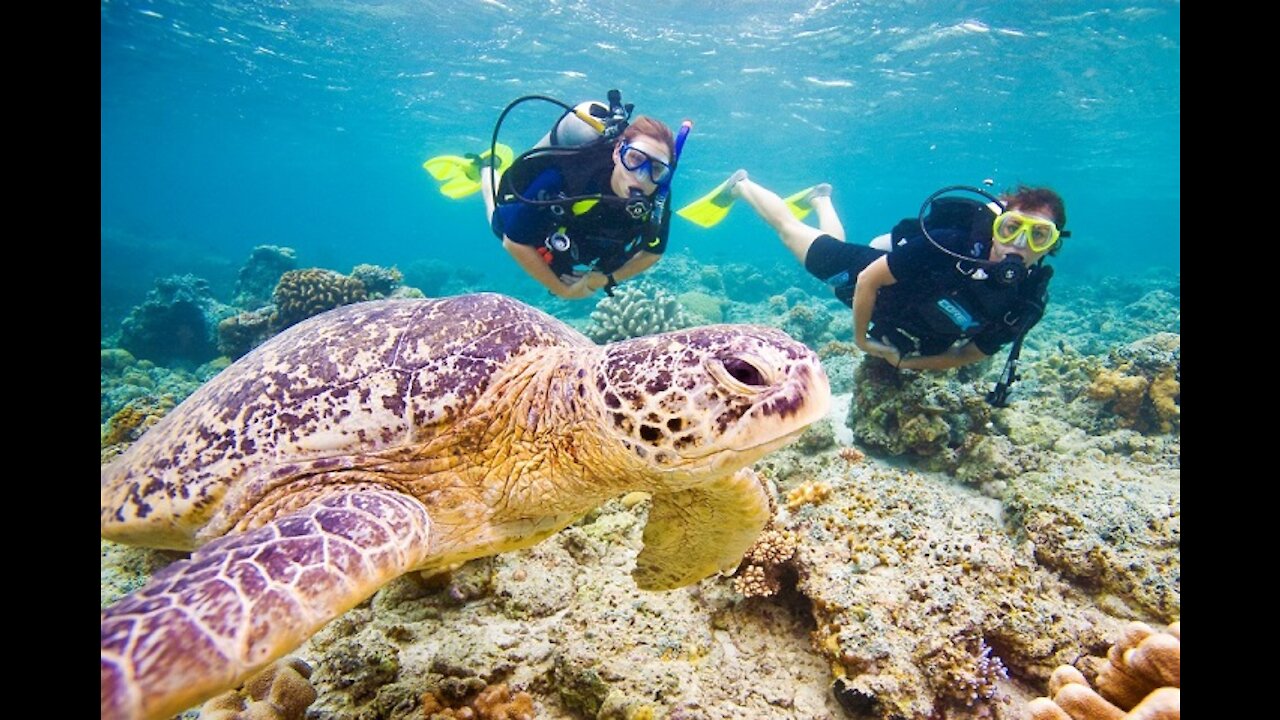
{"x":353,"y":382}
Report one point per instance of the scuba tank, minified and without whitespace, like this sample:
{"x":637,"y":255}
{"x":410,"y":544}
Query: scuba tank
{"x":572,"y":130}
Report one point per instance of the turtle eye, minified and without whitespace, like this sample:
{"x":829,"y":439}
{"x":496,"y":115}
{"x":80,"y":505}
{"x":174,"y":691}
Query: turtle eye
{"x":744,"y":372}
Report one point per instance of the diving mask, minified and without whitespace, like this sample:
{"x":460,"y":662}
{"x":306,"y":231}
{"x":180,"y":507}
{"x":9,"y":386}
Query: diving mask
{"x":635,"y":159}
{"x":1040,"y":234}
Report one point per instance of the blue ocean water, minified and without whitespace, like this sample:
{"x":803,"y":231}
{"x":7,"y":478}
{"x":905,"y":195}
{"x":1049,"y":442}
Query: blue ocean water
{"x":228,"y":125}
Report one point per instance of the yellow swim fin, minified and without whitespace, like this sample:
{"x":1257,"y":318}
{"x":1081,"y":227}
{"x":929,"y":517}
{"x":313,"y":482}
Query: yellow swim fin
{"x":712,"y":207}
{"x":459,"y":175}
{"x":800,"y":204}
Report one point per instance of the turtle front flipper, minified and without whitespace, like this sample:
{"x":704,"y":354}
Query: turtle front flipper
{"x":702,"y":530}
{"x":207,"y":623}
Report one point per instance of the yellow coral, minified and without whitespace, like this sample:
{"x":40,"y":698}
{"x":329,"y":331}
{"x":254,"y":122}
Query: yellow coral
{"x":808,"y":492}
{"x":134,"y":418}
{"x":1164,"y":392}
{"x":1124,"y":392}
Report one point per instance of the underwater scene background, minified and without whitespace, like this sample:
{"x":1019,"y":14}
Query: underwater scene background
{"x":942,"y":557}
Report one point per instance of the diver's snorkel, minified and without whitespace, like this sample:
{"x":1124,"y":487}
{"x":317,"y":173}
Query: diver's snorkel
{"x":1009,"y":271}
{"x":664,"y":190}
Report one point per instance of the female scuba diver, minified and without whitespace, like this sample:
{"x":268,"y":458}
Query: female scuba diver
{"x":586,"y":208}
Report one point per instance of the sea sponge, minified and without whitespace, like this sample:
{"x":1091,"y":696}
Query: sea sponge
{"x":1140,"y":680}
{"x":281,"y":692}
{"x":635,"y":310}
{"x":301,"y":294}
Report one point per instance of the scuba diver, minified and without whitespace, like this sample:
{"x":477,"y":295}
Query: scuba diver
{"x":944,"y":289}
{"x":587,"y":206}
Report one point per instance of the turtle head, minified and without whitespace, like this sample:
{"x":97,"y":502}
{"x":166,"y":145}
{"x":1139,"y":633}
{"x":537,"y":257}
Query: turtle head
{"x":700,"y":403}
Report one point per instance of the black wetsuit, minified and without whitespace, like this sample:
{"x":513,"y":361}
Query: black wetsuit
{"x":601,"y":235}
{"x":937,"y":299}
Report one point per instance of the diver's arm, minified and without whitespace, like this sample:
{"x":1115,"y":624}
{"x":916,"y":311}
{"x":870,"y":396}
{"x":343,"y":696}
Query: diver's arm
{"x":538,"y":269}
{"x":870,"y":280}
{"x":953,"y":357}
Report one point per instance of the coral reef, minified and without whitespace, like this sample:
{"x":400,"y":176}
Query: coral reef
{"x":1140,"y":679}
{"x":378,"y":281}
{"x":431,"y":275}
{"x":1114,"y":530}
{"x":703,"y":307}
{"x":636,"y":309}
{"x":494,"y":702}
{"x":808,"y":322}
{"x":258,"y":277}
{"x":244,"y":331}
{"x":138,"y":414}
{"x":176,"y":324}
{"x":301,"y":294}
{"x":926,"y":415}
{"x":808,"y":493}
{"x":281,"y":692}
{"x":760,"y":574}
{"x":1142,"y":386}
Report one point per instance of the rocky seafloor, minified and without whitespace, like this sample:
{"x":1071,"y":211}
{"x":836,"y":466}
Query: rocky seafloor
{"x":931,"y":557}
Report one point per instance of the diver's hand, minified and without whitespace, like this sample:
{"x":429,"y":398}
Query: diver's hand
{"x":881,"y":350}
{"x":578,"y":287}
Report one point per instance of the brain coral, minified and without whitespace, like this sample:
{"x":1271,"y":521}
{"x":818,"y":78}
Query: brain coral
{"x":301,"y":294}
{"x":636,"y":310}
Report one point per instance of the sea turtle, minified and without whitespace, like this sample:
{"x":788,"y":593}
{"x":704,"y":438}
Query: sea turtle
{"x":399,"y":435}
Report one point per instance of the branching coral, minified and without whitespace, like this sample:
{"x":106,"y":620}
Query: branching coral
{"x":1140,"y":680}
{"x":281,"y":692}
{"x":636,"y":310}
{"x":964,"y":671}
{"x":495,"y":702}
{"x":303,"y":293}
{"x":378,"y":281}
{"x":808,"y":493}
{"x":762,"y":565}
